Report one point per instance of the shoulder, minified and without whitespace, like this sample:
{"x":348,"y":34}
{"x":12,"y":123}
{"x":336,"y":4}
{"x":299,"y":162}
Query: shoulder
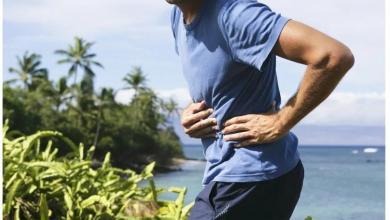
{"x":246,"y":16}
{"x":235,"y":10}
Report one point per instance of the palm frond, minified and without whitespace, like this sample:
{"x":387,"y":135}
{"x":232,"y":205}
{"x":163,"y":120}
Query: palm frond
{"x":88,"y":71}
{"x":62,"y":52}
{"x":88,"y":56}
{"x":97,"y":64}
{"x":72,"y":70}
{"x":67,"y":60}
{"x":10,"y":81}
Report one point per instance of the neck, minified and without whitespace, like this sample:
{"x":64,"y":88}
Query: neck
{"x":190,"y":8}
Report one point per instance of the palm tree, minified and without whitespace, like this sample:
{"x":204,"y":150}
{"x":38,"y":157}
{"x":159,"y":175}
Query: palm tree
{"x":107,"y":95}
{"x":28,"y":68}
{"x":61,"y":93}
{"x":105,"y":99}
{"x":171,"y":107}
{"x":78,"y":57}
{"x":135,"y":80}
{"x":85,"y":93}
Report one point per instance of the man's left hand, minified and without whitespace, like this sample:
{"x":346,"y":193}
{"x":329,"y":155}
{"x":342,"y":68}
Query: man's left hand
{"x":254,"y":128}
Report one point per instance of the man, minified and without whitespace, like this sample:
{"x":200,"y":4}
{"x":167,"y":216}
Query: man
{"x":228,"y":51}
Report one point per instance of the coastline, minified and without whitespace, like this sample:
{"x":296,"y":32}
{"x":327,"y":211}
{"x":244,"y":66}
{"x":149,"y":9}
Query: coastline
{"x":177,"y":163}
{"x":331,"y":174}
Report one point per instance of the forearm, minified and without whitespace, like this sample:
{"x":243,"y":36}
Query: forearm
{"x":317,"y":84}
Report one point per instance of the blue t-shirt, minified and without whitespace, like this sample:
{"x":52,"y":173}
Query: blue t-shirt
{"x":227,"y":60}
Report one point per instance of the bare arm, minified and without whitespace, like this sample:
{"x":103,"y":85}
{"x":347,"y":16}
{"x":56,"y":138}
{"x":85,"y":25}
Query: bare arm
{"x":326,"y":59}
{"x":327,"y":62}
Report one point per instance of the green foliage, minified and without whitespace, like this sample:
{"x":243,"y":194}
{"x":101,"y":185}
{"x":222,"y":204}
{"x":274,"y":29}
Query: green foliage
{"x":28,"y":70}
{"x":135,"y":79}
{"x":38,"y":184}
{"x":135,"y":133}
{"x":42,"y":181}
{"x":78,"y":57}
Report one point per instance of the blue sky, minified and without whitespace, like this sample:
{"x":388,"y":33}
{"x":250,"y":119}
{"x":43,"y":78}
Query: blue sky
{"x":129,"y":33}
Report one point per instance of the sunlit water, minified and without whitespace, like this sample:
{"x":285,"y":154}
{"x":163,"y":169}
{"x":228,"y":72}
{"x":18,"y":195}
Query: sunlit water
{"x":341,"y":183}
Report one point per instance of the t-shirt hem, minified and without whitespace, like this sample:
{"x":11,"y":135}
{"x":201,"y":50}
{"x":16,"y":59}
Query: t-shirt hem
{"x":263,"y":176}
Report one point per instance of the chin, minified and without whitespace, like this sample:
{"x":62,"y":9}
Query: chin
{"x":174,"y":2}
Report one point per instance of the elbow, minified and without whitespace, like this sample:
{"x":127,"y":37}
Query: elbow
{"x":343,"y":60}
{"x":338,"y":59}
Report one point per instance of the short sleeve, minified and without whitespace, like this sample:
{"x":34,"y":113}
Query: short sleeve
{"x":251,"y":30}
{"x":174,"y":23}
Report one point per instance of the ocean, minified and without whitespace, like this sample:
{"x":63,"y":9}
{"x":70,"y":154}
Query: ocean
{"x":341,"y":183}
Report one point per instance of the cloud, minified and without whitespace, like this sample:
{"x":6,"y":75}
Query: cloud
{"x":343,"y":21}
{"x":340,"y":108}
{"x":340,"y":135}
{"x":131,"y":32}
{"x":124,"y":96}
{"x":88,"y":17}
{"x":180,"y":95}
{"x":347,"y":108}
{"x":126,"y":33}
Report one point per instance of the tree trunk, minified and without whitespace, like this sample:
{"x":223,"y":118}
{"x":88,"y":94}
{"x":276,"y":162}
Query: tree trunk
{"x":97,"y":129}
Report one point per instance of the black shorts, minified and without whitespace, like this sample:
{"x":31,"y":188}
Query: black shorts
{"x":263,"y":200}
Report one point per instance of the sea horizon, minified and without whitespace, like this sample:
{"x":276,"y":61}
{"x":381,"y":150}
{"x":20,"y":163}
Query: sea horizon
{"x":311,"y":145}
{"x":339,"y":184}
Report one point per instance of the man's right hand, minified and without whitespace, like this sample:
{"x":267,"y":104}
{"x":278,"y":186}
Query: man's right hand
{"x":195,"y":121}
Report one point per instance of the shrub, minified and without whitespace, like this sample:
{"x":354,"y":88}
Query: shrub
{"x":38,"y":184}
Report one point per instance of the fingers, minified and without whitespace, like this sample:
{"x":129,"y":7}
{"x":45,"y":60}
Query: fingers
{"x":198,"y":106}
{"x":206,"y":132}
{"x":246,"y":143}
{"x":195,"y":112}
{"x":235,"y":128}
{"x":189,"y":120}
{"x":200,"y":115}
{"x":200,"y":125}
{"x":238,"y":119}
{"x":196,"y":121}
{"x":204,"y":124}
{"x":238,"y":136}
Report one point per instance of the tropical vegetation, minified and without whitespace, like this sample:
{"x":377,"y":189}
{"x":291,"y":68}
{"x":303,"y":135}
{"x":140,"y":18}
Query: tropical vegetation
{"x":49,"y":173}
{"x":135,"y":133}
{"x":39,"y":184}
